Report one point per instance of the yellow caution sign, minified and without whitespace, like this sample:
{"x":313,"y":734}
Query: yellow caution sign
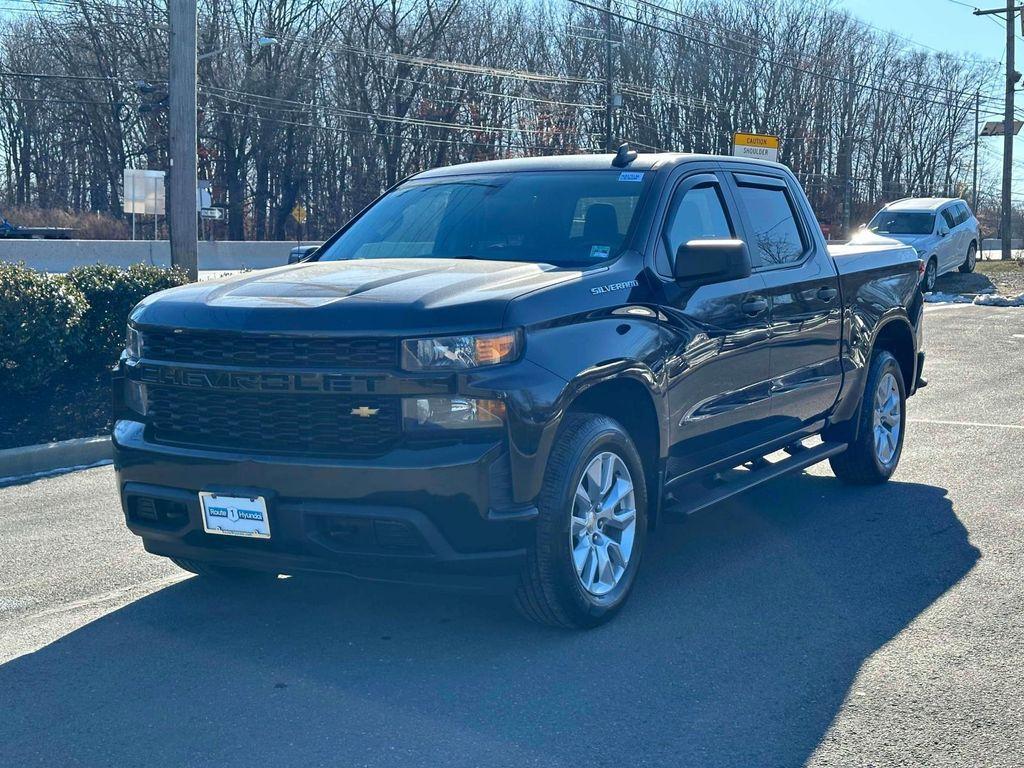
{"x":757,"y":146}
{"x":299,"y":213}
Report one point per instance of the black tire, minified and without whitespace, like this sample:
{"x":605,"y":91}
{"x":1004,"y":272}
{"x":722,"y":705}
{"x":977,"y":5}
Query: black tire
{"x":860,"y":464}
{"x":550,"y":591}
{"x":971,"y":260}
{"x":931,"y":274}
{"x":222,"y":573}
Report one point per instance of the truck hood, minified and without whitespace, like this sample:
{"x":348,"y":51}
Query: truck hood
{"x":381,"y":296}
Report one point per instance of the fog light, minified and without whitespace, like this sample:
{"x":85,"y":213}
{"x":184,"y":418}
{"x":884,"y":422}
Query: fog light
{"x":447,"y":413}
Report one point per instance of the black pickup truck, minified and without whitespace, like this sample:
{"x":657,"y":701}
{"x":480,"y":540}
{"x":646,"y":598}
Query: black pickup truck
{"x":505,"y":374}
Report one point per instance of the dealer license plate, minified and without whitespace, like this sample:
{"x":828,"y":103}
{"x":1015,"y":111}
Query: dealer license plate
{"x":235,"y":515}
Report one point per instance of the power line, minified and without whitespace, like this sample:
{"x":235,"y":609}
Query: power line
{"x":775,"y":62}
{"x":341,"y":112}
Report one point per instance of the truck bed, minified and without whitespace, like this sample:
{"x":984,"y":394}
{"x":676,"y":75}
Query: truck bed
{"x":862,"y":258}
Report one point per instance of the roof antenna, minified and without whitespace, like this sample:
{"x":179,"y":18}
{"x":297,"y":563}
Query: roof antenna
{"x":624,"y":156}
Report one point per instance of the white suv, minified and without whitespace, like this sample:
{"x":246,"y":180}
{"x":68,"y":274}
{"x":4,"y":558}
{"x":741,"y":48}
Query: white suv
{"x":942,"y":230}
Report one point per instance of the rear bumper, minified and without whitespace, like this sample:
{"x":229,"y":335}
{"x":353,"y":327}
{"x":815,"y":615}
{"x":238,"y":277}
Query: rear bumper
{"x":433,"y":515}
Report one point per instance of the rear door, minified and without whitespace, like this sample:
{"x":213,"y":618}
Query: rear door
{"x":718,"y":377}
{"x":964,"y":231}
{"x":802,"y":286}
{"x":949,"y":246}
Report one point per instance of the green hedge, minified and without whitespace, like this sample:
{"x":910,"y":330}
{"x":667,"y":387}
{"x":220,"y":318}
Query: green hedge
{"x":111,"y":293}
{"x":48,"y":321}
{"x":39,"y":316}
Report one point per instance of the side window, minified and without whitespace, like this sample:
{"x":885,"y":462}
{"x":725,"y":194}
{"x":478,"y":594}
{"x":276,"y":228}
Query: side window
{"x":696,"y":214}
{"x":776,"y":234}
{"x":963,"y":213}
{"x":947,"y":214}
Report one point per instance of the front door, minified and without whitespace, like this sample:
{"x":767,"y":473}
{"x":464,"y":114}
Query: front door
{"x":718,"y":367}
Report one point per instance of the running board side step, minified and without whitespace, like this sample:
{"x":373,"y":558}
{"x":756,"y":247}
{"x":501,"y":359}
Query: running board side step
{"x":744,"y":481}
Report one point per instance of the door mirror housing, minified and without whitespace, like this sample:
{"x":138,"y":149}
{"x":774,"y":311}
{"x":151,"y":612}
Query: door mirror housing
{"x":712,"y":261}
{"x":943,"y":230}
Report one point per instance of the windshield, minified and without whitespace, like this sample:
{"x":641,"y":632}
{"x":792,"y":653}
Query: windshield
{"x":565,"y":218}
{"x":902,"y":223}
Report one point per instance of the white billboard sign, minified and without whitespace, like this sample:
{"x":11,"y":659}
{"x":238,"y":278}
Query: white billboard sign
{"x":144,"y":192}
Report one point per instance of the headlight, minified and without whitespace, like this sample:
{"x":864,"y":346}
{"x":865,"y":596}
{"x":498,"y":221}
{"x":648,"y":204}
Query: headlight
{"x":133,"y":343}
{"x":426,"y":414}
{"x":135,"y":397}
{"x":447,"y":353}
{"x":920,"y":251}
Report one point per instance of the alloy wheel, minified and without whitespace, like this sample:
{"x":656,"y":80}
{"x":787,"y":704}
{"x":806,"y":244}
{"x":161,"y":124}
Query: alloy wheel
{"x":887,"y":419}
{"x":603,"y":524}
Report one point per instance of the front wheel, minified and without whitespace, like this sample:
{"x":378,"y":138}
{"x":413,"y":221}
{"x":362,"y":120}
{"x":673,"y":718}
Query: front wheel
{"x":873,"y":456}
{"x":591,"y":529}
{"x":931,"y":274}
{"x":971,"y":260}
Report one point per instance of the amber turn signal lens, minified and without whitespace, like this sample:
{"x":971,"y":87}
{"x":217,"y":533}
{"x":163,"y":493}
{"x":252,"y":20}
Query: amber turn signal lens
{"x":495,"y":348}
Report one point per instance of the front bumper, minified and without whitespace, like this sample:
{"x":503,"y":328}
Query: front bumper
{"x":440,"y":514}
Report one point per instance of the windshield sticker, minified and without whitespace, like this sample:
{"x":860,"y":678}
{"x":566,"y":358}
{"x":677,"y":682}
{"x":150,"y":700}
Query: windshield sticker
{"x":631,"y":176}
{"x":600,"y":251}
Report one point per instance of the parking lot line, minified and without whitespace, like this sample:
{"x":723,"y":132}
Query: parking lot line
{"x":966,"y":423}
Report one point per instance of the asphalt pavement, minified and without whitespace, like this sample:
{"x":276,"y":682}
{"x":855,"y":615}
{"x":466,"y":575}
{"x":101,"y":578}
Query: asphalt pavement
{"x":802,"y":623}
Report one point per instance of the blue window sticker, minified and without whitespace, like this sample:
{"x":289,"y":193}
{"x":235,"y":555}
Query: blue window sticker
{"x":631,"y":176}
{"x":600,"y":251}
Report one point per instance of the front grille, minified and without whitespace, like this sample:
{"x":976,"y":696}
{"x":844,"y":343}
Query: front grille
{"x":270,"y":351}
{"x":289,"y":423}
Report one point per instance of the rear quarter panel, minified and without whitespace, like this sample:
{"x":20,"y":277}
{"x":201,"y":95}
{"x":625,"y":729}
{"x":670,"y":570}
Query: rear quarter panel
{"x":879,"y":284}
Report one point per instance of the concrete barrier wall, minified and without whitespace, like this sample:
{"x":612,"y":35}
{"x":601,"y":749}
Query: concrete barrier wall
{"x":62,"y":255}
{"x":995,"y":244}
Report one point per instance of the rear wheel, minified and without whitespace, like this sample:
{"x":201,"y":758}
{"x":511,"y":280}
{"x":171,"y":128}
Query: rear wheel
{"x":591,"y":529}
{"x":971,"y":260}
{"x":931,"y":274}
{"x":873,"y":456}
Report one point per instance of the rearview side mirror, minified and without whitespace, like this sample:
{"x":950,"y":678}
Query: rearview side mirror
{"x":712,"y":261}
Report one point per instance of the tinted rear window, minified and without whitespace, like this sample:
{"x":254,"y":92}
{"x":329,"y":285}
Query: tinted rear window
{"x":771,"y":215}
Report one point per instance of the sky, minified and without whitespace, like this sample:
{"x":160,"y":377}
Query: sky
{"x":950,"y":25}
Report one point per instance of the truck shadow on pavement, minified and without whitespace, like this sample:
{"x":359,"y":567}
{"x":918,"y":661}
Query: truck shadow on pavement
{"x":748,"y":626}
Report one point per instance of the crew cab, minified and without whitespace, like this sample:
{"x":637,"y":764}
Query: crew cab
{"x":507,"y":374}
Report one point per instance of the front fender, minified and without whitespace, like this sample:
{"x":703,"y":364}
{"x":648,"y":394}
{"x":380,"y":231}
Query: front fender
{"x":562,"y":362}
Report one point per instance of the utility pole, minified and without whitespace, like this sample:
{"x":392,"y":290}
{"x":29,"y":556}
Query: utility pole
{"x":1005,"y":222}
{"x":977,"y":133}
{"x":848,"y":152}
{"x":608,"y":89}
{"x":182,"y":129}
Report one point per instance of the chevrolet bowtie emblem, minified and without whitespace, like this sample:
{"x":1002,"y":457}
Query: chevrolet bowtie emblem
{"x":365,"y":412}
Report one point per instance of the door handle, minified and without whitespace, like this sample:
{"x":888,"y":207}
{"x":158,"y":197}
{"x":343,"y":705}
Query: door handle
{"x":755,"y":305}
{"x":827,"y":294}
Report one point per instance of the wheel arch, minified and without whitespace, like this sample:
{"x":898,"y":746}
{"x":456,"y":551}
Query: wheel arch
{"x":897,"y":337}
{"x":629,"y":399}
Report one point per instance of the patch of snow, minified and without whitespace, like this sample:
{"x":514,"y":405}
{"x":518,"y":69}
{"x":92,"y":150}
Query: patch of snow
{"x":995,"y":300}
{"x":937,"y":297}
